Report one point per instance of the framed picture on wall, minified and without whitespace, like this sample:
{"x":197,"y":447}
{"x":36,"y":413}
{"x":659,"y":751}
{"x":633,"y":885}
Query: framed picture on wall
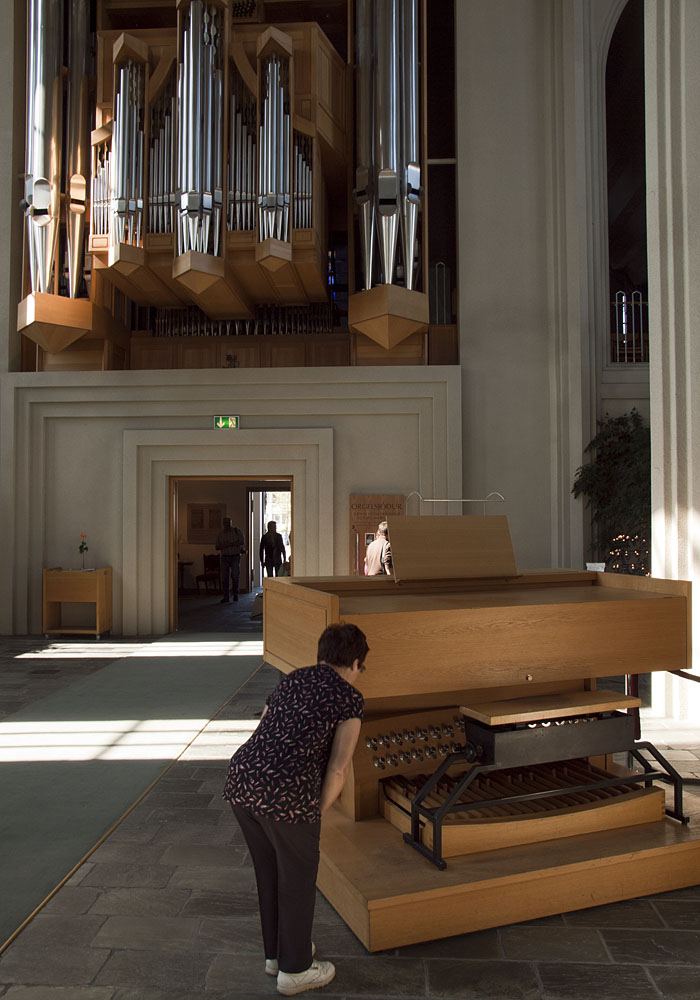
{"x":204,"y":521}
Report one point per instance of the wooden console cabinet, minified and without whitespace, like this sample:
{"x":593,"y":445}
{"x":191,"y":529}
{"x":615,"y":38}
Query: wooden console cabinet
{"x":90,"y":586}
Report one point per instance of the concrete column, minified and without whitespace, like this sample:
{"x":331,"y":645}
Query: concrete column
{"x":672,"y":42}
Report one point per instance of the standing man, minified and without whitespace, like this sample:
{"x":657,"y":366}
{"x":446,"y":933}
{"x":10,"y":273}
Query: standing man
{"x":272,"y":550}
{"x":378,"y":555}
{"x":230,"y":543}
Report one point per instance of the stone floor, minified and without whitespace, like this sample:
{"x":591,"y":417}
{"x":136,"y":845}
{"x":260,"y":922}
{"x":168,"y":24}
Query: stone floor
{"x":165,"y":908}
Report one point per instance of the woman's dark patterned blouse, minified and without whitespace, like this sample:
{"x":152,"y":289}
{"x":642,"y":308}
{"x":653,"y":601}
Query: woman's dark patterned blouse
{"x":278,"y":773}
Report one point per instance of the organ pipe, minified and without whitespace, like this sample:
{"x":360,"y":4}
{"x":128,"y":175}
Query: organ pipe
{"x":200,"y":111}
{"x":387,"y":178}
{"x":364,"y":180}
{"x":161,"y":164}
{"x":275,"y":153}
{"x":410,"y":165}
{"x":242,"y":156}
{"x":127,"y":164}
{"x":78,"y":141}
{"x":44,"y":125}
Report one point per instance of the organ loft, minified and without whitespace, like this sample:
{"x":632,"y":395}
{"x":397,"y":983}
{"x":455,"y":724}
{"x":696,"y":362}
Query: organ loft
{"x":232,"y":184}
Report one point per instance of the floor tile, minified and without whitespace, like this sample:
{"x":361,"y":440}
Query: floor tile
{"x":72,"y":900}
{"x":663,"y":947}
{"x":211,"y":877}
{"x":141,"y":902}
{"x":484,"y":980}
{"x":241,"y":974}
{"x":221,"y":904}
{"x":112,"y":875}
{"x":588,"y":982}
{"x":59,"y":993}
{"x":129,"y":854}
{"x":54,"y":931}
{"x":681,"y":914}
{"x":146,"y":933}
{"x":204,"y":855}
{"x":675,"y":983}
{"x":626,"y":913}
{"x":553,"y":944}
{"x":63,"y":966}
{"x":239,"y":935}
{"x":478,"y":945}
{"x":179,"y":971}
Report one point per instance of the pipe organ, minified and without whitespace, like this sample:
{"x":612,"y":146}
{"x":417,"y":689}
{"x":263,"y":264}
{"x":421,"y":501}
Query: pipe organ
{"x":217,"y":161}
{"x":493,"y":781}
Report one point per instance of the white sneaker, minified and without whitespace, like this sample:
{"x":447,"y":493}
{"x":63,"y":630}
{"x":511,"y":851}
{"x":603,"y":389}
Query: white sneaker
{"x":272,"y":965}
{"x":318,"y":974}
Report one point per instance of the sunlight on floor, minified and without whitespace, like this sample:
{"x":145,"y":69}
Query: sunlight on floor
{"x":129,"y":739}
{"x":160,"y":648}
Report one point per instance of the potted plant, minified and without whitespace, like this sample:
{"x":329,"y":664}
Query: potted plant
{"x":617,"y":486}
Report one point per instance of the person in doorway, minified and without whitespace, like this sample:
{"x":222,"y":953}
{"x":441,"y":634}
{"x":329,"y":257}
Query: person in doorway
{"x":282,"y":782}
{"x":230,"y":543}
{"x":272,"y":550}
{"x":378,"y":555}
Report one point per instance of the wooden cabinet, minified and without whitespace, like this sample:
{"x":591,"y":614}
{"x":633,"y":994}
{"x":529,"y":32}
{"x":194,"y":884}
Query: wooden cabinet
{"x":74,"y":586}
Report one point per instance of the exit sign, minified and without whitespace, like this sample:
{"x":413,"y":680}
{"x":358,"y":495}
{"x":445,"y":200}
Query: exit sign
{"x":230,"y":423}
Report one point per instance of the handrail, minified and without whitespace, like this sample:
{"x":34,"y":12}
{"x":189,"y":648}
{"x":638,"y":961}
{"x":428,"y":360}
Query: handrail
{"x":493,"y":497}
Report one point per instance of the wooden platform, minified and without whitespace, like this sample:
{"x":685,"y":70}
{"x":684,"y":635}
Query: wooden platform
{"x":390,"y":896}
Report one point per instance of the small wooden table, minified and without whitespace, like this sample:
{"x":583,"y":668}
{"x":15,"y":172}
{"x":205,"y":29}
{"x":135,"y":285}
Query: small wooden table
{"x":74,"y":586}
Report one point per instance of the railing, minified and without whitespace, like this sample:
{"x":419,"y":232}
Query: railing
{"x":629,"y":329}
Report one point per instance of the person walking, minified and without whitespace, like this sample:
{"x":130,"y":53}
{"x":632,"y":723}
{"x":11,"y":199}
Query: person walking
{"x":272,"y":550}
{"x":280,"y":784}
{"x":230,"y":543}
{"x":378,"y":555}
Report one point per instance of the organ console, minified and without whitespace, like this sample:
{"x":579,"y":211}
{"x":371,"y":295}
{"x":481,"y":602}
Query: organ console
{"x":492,"y":781}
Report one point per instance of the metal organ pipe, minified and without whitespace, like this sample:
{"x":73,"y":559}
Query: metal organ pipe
{"x":78,"y":141}
{"x":161,"y":191}
{"x":242,"y":158}
{"x":274,"y":143}
{"x":200,"y":107}
{"x":364,"y":179}
{"x":410,"y":173}
{"x":127,"y":155}
{"x":386,"y":133}
{"x":387,"y":175}
{"x":44,"y":123}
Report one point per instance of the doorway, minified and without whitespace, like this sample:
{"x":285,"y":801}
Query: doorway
{"x":265,"y":506}
{"x":198,"y":505}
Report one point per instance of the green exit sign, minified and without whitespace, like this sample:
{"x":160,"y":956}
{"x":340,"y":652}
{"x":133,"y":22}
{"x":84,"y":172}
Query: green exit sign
{"x":230,"y":423}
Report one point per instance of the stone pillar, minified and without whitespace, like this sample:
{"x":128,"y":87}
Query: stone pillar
{"x":672,"y":71}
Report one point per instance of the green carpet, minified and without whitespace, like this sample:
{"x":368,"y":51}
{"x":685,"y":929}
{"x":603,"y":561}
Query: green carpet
{"x":72,"y":763}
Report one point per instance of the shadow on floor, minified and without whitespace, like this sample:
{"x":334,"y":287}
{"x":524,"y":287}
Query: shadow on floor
{"x":206,"y":613}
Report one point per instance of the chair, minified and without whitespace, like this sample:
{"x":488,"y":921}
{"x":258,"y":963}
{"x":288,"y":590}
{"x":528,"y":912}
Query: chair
{"x":211,"y":574}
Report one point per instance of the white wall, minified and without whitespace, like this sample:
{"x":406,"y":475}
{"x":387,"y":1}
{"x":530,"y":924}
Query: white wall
{"x":533,"y":286}
{"x":93,"y":452}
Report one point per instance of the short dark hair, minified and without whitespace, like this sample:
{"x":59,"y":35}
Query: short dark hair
{"x":341,"y":644}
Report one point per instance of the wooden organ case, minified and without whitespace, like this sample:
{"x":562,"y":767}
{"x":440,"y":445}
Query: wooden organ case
{"x":487,"y":744}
